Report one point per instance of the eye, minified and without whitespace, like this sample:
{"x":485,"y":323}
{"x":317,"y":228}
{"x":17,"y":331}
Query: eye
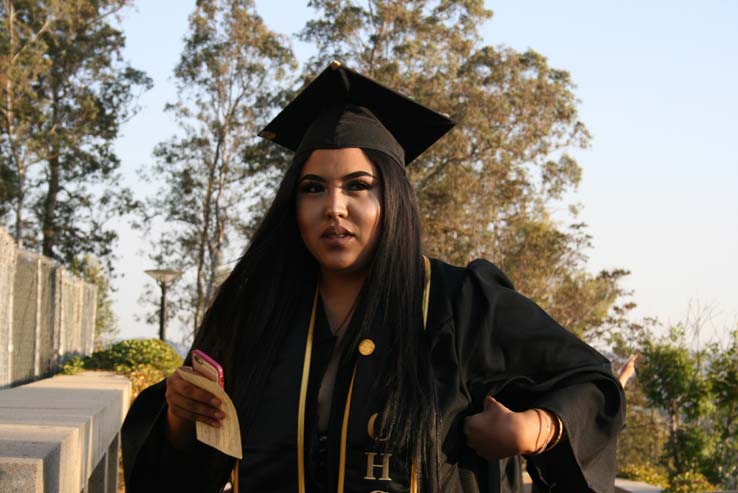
{"x":311,"y":187}
{"x":358,"y":185}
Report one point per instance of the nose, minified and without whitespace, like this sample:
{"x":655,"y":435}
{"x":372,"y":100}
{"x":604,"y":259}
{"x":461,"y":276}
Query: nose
{"x":335,"y":205}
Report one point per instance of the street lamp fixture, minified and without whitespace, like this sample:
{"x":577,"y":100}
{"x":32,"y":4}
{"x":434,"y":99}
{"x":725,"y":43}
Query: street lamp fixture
{"x":165,"y":278}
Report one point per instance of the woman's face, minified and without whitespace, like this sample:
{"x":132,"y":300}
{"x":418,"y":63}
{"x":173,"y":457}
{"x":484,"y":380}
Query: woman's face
{"x":339,"y":199}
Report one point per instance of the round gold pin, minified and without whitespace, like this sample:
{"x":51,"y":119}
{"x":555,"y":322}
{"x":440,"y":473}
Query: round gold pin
{"x":366,"y":347}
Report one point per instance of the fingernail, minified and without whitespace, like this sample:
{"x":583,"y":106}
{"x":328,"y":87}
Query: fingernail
{"x":215,"y":424}
{"x":220,"y":415}
{"x":215,"y":402}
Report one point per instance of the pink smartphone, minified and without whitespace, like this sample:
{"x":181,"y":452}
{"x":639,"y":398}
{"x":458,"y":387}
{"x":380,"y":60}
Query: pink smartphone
{"x":207,"y":367}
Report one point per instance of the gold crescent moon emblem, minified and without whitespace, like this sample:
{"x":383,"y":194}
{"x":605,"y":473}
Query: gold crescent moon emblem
{"x":370,"y":425}
{"x":371,"y":428}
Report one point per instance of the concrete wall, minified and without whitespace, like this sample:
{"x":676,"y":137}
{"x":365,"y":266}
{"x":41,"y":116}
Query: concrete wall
{"x":60,"y":434}
{"x":46,"y":314}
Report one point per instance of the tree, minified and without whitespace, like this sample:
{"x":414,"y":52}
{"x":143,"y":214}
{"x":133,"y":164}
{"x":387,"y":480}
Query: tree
{"x":723,"y":378}
{"x":22,"y":64}
{"x":487,"y":188}
{"x":74,"y":97}
{"x":673,"y":381}
{"x":644,"y":438}
{"x":106,"y":321}
{"x":90,"y":92}
{"x":689,"y":391}
{"x":229,"y":78}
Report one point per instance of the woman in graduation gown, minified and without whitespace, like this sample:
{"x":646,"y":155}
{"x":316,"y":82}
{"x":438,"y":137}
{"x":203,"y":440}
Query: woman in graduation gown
{"x":355,"y":363}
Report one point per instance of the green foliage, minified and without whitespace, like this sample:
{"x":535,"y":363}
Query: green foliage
{"x":128,"y":354}
{"x":143,"y":361}
{"x":672,"y":377}
{"x":106,"y":322}
{"x":723,"y":378}
{"x":647,"y":473}
{"x":689,"y":482}
{"x":73,"y":366}
{"x":673,"y":381}
{"x":642,"y":442}
{"x":696,"y":390}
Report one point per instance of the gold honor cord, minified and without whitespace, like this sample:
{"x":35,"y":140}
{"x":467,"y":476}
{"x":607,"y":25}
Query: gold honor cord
{"x":426,"y":290}
{"x":303,"y":399}
{"x":344,"y":426}
{"x":426,"y":301}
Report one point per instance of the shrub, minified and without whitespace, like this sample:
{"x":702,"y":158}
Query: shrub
{"x":643,"y":472}
{"x":689,"y":482}
{"x":143,"y":361}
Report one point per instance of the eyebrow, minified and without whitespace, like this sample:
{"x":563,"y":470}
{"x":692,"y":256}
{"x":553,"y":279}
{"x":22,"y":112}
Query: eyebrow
{"x":349,"y":176}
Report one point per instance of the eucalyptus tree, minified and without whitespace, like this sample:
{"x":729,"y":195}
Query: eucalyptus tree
{"x":216,"y":174}
{"x":66,"y":93}
{"x":22,"y":64}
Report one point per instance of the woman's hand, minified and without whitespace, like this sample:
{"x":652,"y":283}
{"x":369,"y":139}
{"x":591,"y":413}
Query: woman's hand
{"x":498,"y":432}
{"x":186,"y":404}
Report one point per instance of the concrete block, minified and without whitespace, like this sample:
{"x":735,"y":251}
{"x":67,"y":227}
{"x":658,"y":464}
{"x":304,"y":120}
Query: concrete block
{"x":63,"y":444}
{"x":22,"y":475}
{"x":96,"y":483}
{"x":68,"y":424}
{"x":113,"y":460}
{"x":29,"y":466}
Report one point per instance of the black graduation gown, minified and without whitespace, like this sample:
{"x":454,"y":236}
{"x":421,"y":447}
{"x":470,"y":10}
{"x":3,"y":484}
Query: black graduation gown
{"x":485,"y":339}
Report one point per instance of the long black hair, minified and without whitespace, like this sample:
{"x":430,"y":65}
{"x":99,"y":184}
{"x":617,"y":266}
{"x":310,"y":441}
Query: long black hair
{"x":252,"y":309}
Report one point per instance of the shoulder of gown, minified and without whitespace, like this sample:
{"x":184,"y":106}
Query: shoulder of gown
{"x":511,"y":348}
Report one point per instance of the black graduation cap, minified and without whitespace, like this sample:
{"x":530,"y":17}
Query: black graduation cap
{"x":342,"y":108}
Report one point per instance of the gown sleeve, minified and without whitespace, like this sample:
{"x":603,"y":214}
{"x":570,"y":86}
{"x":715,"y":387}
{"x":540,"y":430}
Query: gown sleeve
{"x":150,"y":463}
{"x":515,"y":351}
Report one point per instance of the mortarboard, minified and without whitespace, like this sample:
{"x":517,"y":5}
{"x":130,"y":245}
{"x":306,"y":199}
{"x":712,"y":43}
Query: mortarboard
{"x":342,"y":108}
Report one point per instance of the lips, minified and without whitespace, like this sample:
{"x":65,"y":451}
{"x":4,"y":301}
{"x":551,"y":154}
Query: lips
{"x":336,"y":232}
{"x":336,"y":237}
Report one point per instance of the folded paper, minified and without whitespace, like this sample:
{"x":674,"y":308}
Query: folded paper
{"x":227,"y":438}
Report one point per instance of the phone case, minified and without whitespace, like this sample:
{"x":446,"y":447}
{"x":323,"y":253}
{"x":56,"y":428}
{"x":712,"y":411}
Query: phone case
{"x":207,"y":367}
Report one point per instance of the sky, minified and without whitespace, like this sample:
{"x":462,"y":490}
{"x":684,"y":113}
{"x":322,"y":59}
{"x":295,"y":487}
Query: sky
{"x":657,"y":85}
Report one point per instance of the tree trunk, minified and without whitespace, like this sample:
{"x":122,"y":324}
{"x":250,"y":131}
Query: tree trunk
{"x":204,"y":238}
{"x":674,"y":428}
{"x":19,"y":210}
{"x":216,"y":246}
{"x":10,"y":119}
{"x":48,"y":226}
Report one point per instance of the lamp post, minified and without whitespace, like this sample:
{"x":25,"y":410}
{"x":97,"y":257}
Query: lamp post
{"x":164,"y":277}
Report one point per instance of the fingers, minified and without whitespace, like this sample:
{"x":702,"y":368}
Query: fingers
{"x":471,"y":430}
{"x":195,"y":411}
{"x":186,"y":412}
{"x":488,"y":401}
{"x":492,"y":404}
{"x":189,"y":402}
{"x":489,"y":433}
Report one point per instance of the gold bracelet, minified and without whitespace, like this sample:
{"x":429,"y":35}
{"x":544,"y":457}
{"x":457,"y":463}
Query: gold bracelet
{"x":542,"y":447}
{"x":559,"y":435}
